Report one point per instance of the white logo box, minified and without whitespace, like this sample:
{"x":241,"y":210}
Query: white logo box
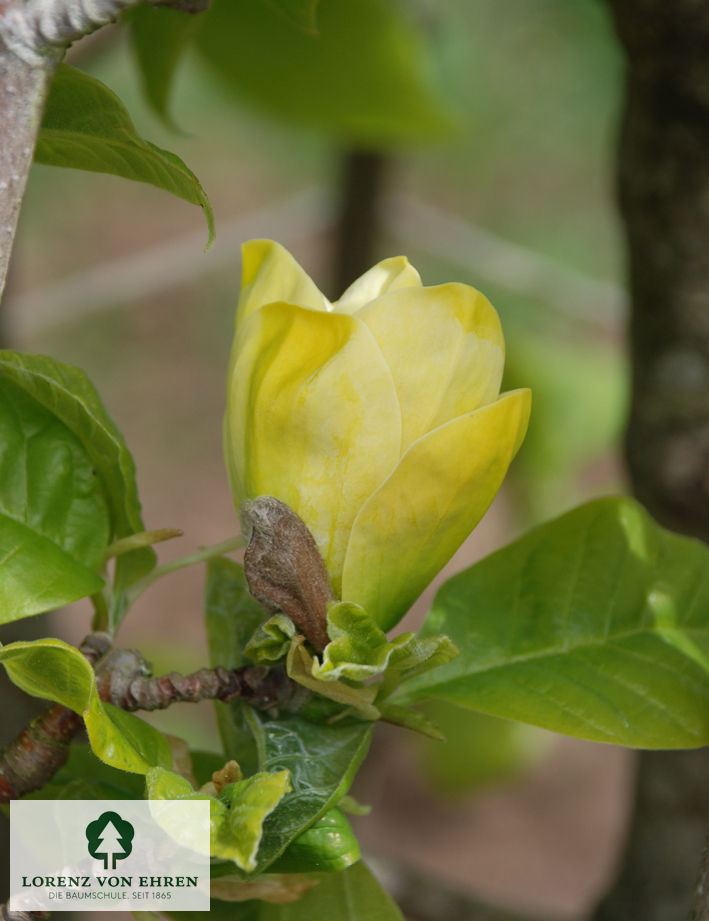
{"x":109,"y":855}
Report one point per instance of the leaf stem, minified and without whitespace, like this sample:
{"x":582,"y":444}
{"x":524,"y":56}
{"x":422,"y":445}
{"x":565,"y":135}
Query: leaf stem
{"x":201,"y":556}
{"x":140,"y":540}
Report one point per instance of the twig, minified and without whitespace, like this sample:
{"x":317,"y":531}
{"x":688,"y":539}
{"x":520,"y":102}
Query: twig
{"x":23,"y":91}
{"x":123,"y":678}
{"x":34,"y":757}
{"x":124,"y":681}
{"x":164,"y":569}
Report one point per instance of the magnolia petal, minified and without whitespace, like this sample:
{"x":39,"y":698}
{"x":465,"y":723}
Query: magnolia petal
{"x":312,"y":419}
{"x":388,"y":275}
{"x":412,"y":525}
{"x":269,"y":273}
{"x":445,"y":349}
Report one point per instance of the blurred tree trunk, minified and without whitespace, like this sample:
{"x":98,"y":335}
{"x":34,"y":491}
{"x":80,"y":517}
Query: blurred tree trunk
{"x":363,"y":174}
{"x":664,"y":198}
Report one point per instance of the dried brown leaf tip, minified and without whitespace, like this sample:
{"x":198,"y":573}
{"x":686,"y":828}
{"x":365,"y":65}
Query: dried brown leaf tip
{"x":283,"y":567}
{"x":230,"y":773}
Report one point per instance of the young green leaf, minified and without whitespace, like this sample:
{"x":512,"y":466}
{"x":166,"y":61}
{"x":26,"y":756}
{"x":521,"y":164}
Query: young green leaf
{"x":363,"y":76}
{"x":351,"y":895}
{"x":53,"y":670}
{"x":163,"y":784}
{"x":300,"y":666}
{"x":359,"y":649}
{"x":66,"y":394}
{"x":86,"y":126}
{"x":249,"y":802}
{"x":236,"y":816}
{"x":594,"y":625}
{"x":160,"y":35}
{"x":271,"y":640}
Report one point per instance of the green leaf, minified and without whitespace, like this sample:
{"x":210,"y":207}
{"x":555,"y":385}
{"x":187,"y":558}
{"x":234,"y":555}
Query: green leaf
{"x":86,"y":126}
{"x":322,"y":761}
{"x":595,"y":625}
{"x":54,"y":523}
{"x":352,"y":895}
{"x":327,"y":846}
{"x":231,"y":617}
{"x":124,"y":740}
{"x":36,"y":575}
{"x":53,"y":670}
{"x":65,"y":393}
{"x":409,"y":718}
{"x":363,"y":77}
{"x":301,"y":13}
{"x":160,"y":36}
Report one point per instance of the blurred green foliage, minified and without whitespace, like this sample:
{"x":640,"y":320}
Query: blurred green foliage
{"x":480,"y":750}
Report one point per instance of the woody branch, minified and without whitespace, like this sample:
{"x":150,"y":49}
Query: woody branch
{"x":123,"y":679}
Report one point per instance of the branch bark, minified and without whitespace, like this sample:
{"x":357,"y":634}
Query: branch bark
{"x":664,"y":197}
{"x":34,"y":34}
{"x":123,"y":679}
{"x":23,"y":91}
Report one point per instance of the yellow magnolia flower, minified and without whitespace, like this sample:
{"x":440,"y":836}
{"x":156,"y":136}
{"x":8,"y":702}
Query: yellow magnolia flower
{"x":377,"y":419}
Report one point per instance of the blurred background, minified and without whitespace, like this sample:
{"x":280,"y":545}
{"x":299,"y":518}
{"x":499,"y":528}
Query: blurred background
{"x":484,"y":151}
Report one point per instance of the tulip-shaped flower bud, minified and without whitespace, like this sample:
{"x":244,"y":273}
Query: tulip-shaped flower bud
{"x":377,"y":419}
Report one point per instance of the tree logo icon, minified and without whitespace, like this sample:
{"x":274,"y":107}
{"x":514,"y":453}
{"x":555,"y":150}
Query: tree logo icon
{"x":111,"y":838}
